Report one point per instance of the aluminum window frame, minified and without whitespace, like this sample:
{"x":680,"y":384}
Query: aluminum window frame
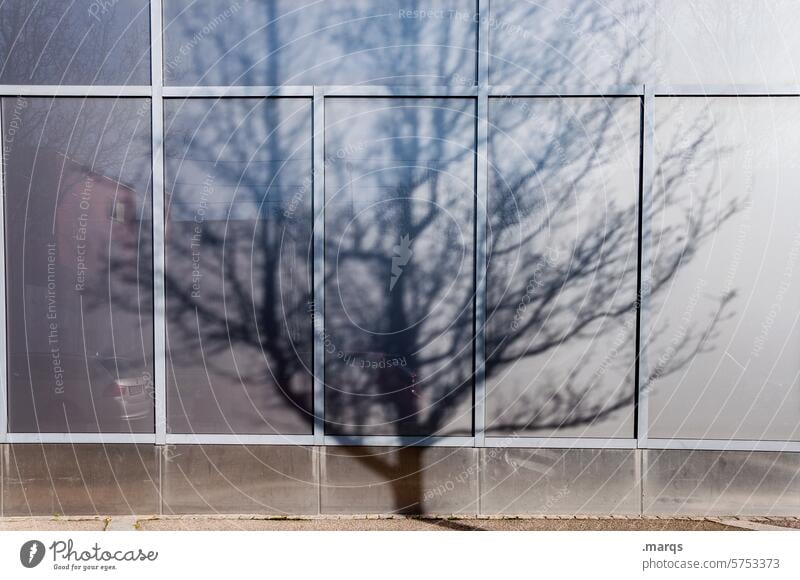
{"x":481,"y":91}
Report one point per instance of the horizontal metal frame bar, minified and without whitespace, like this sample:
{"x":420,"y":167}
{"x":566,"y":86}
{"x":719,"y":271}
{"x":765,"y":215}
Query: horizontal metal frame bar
{"x":723,"y":445}
{"x":231,"y":439}
{"x":75,"y":91}
{"x":239,"y":91}
{"x":80,"y":438}
{"x":396,"y":91}
{"x":712,"y":90}
{"x":390,"y":441}
{"x":561,"y":442}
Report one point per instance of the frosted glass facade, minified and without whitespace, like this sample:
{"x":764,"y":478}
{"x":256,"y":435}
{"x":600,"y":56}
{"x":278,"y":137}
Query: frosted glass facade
{"x":459,"y":223}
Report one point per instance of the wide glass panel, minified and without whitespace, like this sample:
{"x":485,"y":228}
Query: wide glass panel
{"x":725,"y":329}
{"x":575,"y":43}
{"x":79,"y":264}
{"x":303,"y":42}
{"x":727,"y":41}
{"x":59,"y":42}
{"x":562,"y":266}
{"x":239,"y":335}
{"x":399,"y":213}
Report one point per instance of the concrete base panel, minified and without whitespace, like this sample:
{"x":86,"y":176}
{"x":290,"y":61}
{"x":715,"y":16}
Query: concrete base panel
{"x":126,"y":479}
{"x":518,"y":481}
{"x":412,"y":480}
{"x":725,"y":483}
{"x":239,"y":479}
{"x":79,"y":479}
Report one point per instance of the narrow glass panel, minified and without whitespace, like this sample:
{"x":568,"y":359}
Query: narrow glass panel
{"x":727,"y":41}
{"x":568,"y":43}
{"x":399,"y":213}
{"x":67,"y":42}
{"x":335,"y":42}
{"x":726,"y":309}
{"x":79,"y":264}
{"x":238,"y":183}
{"x":562,"y":266}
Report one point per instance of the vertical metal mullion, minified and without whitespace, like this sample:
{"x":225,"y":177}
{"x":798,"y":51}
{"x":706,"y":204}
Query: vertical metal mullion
{"x":159,"y":297}
{"x":3,"y":328}
{"x":318,"y":203}
{"x":481,"y":194}
{"x":645,"y":263}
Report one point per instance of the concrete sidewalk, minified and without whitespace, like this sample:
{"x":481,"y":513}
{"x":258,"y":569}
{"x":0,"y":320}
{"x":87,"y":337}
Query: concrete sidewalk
{"x":392,"y":523}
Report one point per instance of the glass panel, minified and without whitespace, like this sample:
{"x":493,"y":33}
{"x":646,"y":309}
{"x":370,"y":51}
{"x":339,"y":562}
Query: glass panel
{"x":79,"y":264}
{"x":727,"y":41}
{"x":562,"y":266}
{"x":557,"y":43}
{"x":399,"y":190}
{"x":727,"y":243}
{"x":300,"y":42}
{"x":238,"y":183}
{"x":55,"y":42}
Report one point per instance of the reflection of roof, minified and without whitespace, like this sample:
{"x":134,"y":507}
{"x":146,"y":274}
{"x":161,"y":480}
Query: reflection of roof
{"x":46,"y":177}
{"x":115,"y":182}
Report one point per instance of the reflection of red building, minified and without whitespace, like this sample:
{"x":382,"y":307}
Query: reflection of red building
{"x":79,"y":314}
{"x":92,"y":213}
